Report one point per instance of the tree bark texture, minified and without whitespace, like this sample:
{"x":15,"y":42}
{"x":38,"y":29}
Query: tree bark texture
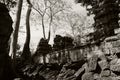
{"x":26,"y":55}
{"x":15,"y":34}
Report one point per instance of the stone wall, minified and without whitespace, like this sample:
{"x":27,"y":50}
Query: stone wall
{"x":101,"y":63}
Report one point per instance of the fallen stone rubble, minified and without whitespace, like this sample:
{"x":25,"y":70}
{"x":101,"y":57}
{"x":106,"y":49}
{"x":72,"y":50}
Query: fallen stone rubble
{"x":94,"y":68}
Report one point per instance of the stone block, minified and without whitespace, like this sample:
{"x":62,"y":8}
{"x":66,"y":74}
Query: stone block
{"x":69,"y":73}
{"x":96,"y":76}
{"x":115,"y":78}
{"x":115,"y":68}
{"x":113,"y":74}
{"x":99,"y":78}
{"x":114,"y":61}
{"x":105,"y":73}
{"x":92,"y":63}
{"x":103,"y":64}
{"x":88,"y":76}
{"x":102,"y":57}
{"x":71,"y":78}
{"x":106,"y":78}
{"x":79,"y":72}
{"x":118,"y":77}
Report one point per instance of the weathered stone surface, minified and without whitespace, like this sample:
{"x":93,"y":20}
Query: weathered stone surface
{"x":114,"y":61}
{"x":69,"y":73}
{"x":115,"y":78}
{"x":115,"y":68}
{"x":112,"y":56}
{"x":102,"y":57}
{"x":116,"y":43}
{"x":115,"y":64}
{"x":118,"y":77}
{"x":105,"y":73}
{"x":71,"y":78}
{"x":92,"y":63}
{"x":88,"y":76}
{"x":118,"y":61}
{"x":107,"y":47}
{"x":103,"y":64}
{"x":113,"y":74}
{"x":96,"y":76}
{"x":76,"y":65}
{"x":86,"y":67}
{"x":66,"y":74}
{"x":106,"y":78}
{"x":79,"y":72}
{"x":99,"y":78}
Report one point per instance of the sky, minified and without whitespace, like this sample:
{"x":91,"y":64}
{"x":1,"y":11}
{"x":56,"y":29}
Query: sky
{"x":36,"y":30}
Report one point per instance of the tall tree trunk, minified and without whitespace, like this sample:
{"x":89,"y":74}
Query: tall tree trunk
{"x":44,"y":56}
{"x":43,"y":27}
{"x":26,"y":50}
{"x":15,"y":34}
{"x":50,"y":24}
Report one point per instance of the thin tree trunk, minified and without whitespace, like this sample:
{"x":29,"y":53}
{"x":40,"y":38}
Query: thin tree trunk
{"x":51,"y":20}
{"x":43,"y":27}
{"x":26,"y":50}
{"x":44,"y":57}
{"x":15,"y":34}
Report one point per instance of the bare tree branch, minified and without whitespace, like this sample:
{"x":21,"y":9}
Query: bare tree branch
{"x":37,"y":11}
